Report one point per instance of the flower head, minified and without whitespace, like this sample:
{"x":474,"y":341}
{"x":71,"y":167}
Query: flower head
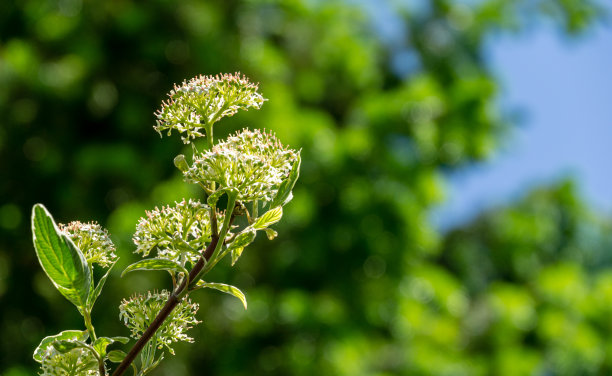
{"x":253,"y":162}
{"x":76,"y":362}
{"x":203,"y":100}
{"x":138,"y":312}
{"x":179,"y":232}
{"x":93,"y":240}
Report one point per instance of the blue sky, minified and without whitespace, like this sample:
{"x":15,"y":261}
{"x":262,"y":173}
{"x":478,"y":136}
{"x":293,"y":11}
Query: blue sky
{"x":564,"y":87}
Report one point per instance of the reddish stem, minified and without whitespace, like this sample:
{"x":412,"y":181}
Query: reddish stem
{"x":173,"y":300}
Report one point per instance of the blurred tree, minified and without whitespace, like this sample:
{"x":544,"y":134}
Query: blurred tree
{"x":523,"y":290}
{"x":358,"y":282}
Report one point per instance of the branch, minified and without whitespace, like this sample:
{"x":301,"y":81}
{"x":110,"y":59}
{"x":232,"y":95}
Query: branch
{"x":173,"y":300}
{"x":101,"y":368}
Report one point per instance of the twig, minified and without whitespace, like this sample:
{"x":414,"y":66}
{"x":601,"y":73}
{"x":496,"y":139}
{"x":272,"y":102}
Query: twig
{"x":173,"y":300}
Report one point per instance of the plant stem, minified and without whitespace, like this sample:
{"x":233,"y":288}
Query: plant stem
{"x":100,"y":360}
{"x":92,"y":335}
{"x":172,"y":302}
{"x":209,"y":135}
{"x":214,"y":230}
{"x":227,"y":223}
{"x":211,"y":187}
{"x":212,"y":249}
{"x":255,"y":209}
{"x":89,"y":326}
{"x":101,"y":368}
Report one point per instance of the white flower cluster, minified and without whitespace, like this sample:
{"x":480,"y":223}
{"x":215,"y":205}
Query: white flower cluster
{"x":253,"y":162}
{"x":76,"y":362}
{"x":138,"y":312}
{"x":179,"y":232}
{"x":93,"y":240}
{"x":204,"y":100}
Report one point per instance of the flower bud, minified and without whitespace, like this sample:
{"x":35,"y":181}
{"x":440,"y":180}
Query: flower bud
{"x":178,"y":232}
{"x":139,"y":312}
{"x":93,"y":240}
{"x":181,"y":163}
{"x":202,"y":101}
{"x":78,"y":361}
{"x":252,"y":162}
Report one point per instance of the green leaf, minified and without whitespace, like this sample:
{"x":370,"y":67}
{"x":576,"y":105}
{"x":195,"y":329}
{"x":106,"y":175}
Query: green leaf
{"x":184,"y":246}
{"x":243,"y":239}
{"x":215,"y":196}
{"x":268,"y":218}
{"x":116,"y":356}
{"x":156,"y":264}
{"x":102,"y":343}
{"x":228,"y":289}
{"x":60,"y":258}
{"x":153,"y":365}
{"x":120,"y":339}
{"x":80,"y":335}
{"x":283,"y":196}
{"x":236,"y":253}
{"x":92,"y":364}
{"x":271,"y":233}
{"x":95,"y":293}
{"x":64,"y":345}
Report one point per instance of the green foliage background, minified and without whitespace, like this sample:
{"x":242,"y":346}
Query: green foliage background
{"x":358,"y":282}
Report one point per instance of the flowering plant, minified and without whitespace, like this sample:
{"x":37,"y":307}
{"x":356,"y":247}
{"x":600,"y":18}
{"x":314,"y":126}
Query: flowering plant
{"x":251,"y":169}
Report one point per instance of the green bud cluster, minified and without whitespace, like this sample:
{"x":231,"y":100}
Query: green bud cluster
{"x":202,"y":101}
{"x":76,"y":362}
{"x":252,"y":162}
{"x":178,"y":232}
{"x":93,"y":240}
{"x":138,"y":312}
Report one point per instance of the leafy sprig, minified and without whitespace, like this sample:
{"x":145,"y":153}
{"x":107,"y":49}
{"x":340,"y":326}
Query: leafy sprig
{"x":251,"y":172}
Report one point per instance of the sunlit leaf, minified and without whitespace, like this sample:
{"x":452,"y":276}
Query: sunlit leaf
{"x":80,"y":335}
{"x":240,"y":242}
{"x":156,"y":264}
{"x":116,"y":356}
{"x":284,"y":195}
{"x":60,"y":258}
{"x":102,"y":342}
{"x":214,"y":197}
{"x":64,"y":345}
{"x":228,"y":289}
{"x":120,"y":339}
{"x":268,"y":218}
{"x":271,"y":233}
{"x":95,"y":293}
{"x":236,"y":253}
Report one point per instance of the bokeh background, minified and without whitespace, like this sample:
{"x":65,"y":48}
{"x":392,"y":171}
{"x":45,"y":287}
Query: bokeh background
{"x":373,"y":272}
